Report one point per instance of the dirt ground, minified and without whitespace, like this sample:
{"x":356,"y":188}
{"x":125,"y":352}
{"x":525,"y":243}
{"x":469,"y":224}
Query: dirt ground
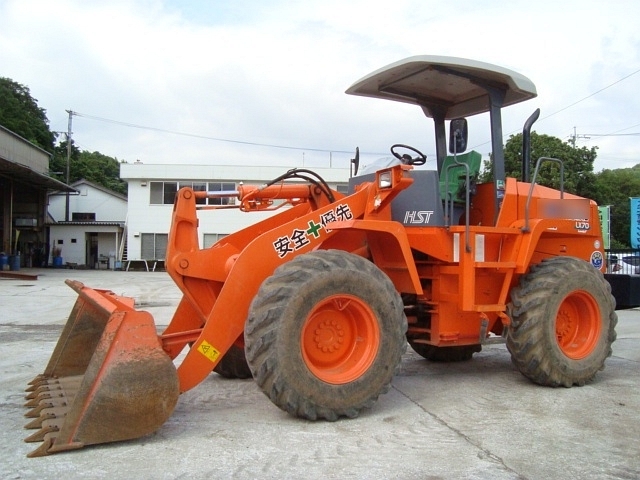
{"x":473,"y":420}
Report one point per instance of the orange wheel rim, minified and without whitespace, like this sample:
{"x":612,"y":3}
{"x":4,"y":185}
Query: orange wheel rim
{"x":340,"y":339}
{"x":578,"y":325}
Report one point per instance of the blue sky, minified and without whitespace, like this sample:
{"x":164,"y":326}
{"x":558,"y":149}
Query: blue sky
{"x":274,"y":73}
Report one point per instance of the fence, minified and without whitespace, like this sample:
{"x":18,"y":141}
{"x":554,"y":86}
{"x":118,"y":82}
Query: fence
{"x":623,"y":261}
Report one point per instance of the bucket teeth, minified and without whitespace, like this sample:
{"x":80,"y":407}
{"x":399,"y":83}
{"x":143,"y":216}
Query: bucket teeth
{"x":37,"y":379}
{"x":42,"y":389}
{"x":46,"y":395}
{"x":39,"y":436}
{"x":34,"y":402}
{"x":37,"y":422}
{"x":45,"y":404}
{"x":42,"y":450}
{"x":49,"y":401}
{"x":35,"y":412}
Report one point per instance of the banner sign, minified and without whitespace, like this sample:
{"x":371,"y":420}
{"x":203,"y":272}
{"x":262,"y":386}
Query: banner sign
{"x":635,"y":222}
{"x":605,"y":212}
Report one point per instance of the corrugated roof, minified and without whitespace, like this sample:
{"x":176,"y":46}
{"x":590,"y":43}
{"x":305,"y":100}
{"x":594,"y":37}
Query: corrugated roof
{"x":98,"y":224}
{"x":23,"y":174}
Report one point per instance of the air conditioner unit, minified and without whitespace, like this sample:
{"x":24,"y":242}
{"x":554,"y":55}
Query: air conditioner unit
{"x":26,"y":222}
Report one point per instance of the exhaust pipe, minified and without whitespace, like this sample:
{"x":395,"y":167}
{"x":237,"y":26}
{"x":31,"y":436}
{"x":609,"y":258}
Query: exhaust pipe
{"x":526,"y":145}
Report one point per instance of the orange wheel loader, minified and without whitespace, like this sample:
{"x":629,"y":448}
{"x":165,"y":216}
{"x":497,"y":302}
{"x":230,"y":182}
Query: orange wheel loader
{"x":318,"y":301}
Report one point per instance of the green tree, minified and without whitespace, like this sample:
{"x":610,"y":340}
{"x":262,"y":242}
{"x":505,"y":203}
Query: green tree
{"x":93,"y":166}
{"x":20,"y":113}
{"x":578,"y":163}
{"x":614,"y":188}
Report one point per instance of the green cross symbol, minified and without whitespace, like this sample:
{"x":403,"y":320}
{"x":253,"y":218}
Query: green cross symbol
{"x":314,"y":229}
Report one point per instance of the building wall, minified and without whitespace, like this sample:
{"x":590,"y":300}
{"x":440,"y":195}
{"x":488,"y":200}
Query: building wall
{"x":146,"y":218}
{"x":85,"y":242}
{"x":108,"y":207}
{"x":72,"y":241}
{"x":16,"y":149}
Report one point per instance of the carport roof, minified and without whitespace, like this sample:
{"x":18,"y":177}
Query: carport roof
{"x":26,"y":175}
{"x":86,"y":223}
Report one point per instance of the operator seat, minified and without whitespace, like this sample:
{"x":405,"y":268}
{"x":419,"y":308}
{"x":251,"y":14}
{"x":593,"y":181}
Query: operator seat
{"x":453,"y":175}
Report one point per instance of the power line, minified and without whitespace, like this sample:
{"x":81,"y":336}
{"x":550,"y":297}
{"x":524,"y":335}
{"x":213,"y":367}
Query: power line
{"x":321,"y":150}
{"x":217,"y":139}
{"x":616,"y":133}
{"x":591,"y":95}
{"x":586,"y":135}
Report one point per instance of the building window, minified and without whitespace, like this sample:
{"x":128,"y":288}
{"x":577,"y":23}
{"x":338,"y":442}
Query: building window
{"x":200,"y":187}
{"x":210,"y":238}
{"x":197,"y":187}
{"x":155,"y":193}
{"x":169,"y":194}
{"x":163,"y":193}
{"x":153,"y":246}
{"x":222,"y":187}
{"x":83,"y":217}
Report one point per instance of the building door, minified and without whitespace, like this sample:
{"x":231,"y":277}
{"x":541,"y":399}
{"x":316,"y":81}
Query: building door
{"x":91,"y":239}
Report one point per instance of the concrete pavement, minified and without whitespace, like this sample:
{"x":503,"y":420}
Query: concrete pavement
{"x":473,"y":420}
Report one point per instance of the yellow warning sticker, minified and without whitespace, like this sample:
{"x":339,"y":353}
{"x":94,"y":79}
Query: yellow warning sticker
{"x":208,"y":351}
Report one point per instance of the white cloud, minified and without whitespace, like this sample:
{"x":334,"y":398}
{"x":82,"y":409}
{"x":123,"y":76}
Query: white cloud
{"x":276,"y":73}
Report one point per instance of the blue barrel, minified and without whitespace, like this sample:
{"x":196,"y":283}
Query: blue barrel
{"x":4,"y":260}
{"x":57,"y":262}
{"x":14,"y":262}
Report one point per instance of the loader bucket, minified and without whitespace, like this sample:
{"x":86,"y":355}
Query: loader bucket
{"x":108,"y":378}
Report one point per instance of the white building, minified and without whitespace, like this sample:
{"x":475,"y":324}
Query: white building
{"x":93,"y":233}
{"x":152,"y":190}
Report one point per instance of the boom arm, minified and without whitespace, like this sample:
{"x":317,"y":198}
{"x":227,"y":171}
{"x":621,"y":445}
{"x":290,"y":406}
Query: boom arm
{"x":219,"y":283}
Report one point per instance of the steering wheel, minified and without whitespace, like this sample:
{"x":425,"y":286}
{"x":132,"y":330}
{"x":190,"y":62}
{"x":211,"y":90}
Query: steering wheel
{"x":407,"y":159}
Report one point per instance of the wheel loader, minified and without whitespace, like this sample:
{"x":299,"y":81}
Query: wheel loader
{"x":319,"y":301}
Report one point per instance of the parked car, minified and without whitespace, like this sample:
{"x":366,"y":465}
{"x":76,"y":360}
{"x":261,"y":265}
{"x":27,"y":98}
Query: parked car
{"x":628,"y":264}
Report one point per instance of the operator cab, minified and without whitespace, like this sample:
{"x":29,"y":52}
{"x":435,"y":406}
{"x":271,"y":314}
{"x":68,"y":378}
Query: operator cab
{"x":449,"y":88}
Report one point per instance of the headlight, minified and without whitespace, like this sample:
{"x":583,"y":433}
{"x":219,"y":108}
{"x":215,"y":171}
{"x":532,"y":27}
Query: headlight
{"x":384,"y":179}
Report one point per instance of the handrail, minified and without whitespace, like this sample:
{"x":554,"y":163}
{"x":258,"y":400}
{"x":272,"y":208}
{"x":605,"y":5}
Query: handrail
{"x":467,"y":183}
{"x":123,"y":240}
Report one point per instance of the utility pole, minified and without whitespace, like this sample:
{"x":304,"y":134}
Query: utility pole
{"x":66,"y":206}
{"x":573,"y":138}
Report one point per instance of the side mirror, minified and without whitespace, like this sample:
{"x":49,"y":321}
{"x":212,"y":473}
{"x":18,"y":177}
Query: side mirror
{"x":458,"y":135}
{"x":355,"y":163}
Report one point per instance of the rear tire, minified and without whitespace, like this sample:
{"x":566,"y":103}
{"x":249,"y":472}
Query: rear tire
{"x":233,"y":364}
{"x":445,"y":354}
{"x":562,"y":322}
{"x":325,"y":334}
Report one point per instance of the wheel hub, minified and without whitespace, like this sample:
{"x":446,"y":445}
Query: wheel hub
{"x":578,"y":325}
{"x":340,"y":339}
{"x":329,"y":336}
{"x":564,"y":324}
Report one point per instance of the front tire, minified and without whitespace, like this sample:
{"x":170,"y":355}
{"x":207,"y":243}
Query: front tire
{"x":325,"y":334}
{"x":562,"y":322}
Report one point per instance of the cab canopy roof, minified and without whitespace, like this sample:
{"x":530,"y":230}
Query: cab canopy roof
{"x":455,"y":87}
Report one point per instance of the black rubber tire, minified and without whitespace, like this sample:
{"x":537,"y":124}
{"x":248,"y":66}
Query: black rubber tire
{"x":276,"y":322}
{"x":233,"y":364}
{"x":541,"y":315}
{"x":445,"y":354}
